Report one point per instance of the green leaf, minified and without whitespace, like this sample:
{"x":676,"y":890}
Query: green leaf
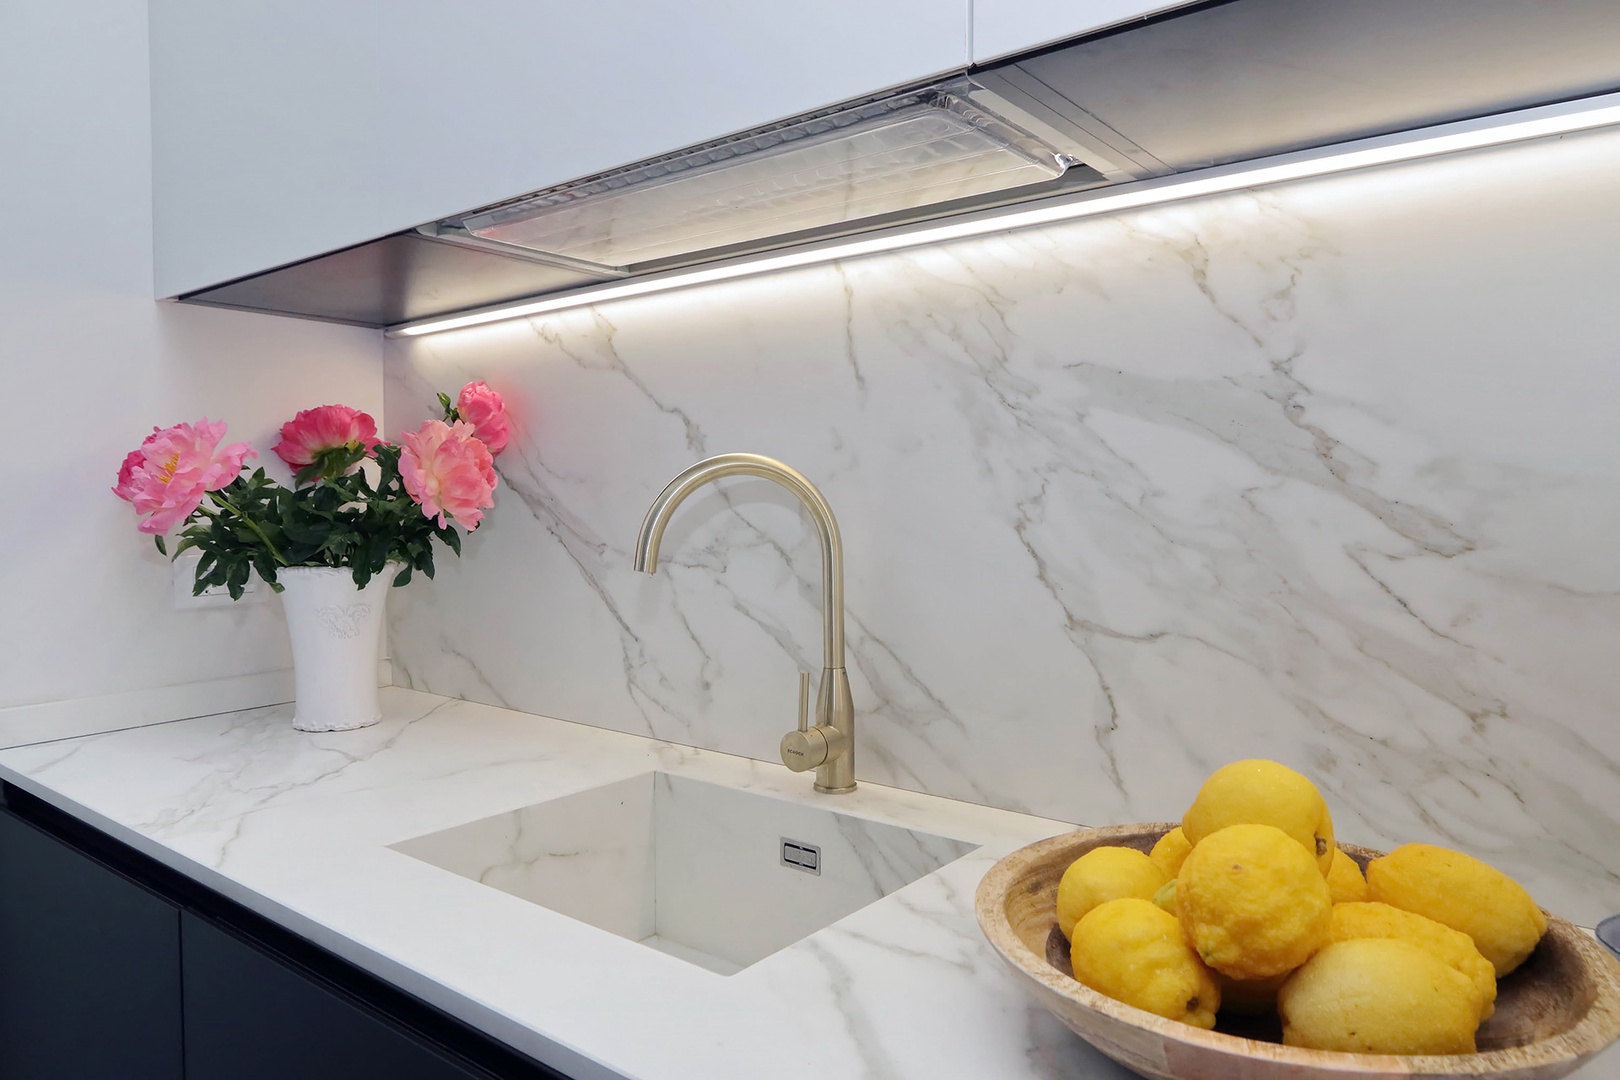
{"x":158,"y":540}
{"x":237,"y":575}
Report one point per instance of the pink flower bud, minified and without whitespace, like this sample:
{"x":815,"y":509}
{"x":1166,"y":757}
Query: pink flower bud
{"x":486,"y":412}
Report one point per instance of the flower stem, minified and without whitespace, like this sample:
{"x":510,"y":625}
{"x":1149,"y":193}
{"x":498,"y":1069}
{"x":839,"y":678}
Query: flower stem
{"x":228,"y":505}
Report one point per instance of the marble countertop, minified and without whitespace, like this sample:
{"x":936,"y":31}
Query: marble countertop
{"x":298,"y":827}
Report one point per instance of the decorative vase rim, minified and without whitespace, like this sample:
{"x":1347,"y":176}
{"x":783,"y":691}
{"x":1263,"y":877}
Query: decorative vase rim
{"x":346,"y":571}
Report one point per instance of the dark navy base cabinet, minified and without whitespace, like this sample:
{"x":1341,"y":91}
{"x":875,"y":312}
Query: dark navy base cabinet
{"x":89,"y":967}
{"x":115,"y":967}
{"x":251,"y":1018}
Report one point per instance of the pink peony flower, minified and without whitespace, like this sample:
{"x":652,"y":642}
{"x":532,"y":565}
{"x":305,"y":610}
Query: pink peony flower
{"x":174,"y":468}
{"x":486,"y":412}
{"x":329,"y":427}
{"x":446,"y":469}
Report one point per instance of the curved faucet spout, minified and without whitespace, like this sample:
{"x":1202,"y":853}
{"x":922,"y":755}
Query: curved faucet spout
{"x":829,"y":746}
{"x":832,"y":547}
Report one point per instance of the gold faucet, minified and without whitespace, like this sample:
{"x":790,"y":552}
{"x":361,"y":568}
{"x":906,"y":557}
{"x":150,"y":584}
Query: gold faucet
{"x":829,"y":745}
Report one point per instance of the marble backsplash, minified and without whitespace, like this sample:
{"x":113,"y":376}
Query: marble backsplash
{"x":1328,"y":473}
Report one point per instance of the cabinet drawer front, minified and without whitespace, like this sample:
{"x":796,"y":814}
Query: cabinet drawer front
{"x":249,"y":1017}
{"x":89,"y":967}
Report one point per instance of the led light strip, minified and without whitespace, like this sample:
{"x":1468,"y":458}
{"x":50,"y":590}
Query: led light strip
{"x":1518,"y":126}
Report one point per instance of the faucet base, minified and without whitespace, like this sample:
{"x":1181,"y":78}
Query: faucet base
{"x":835,"y":709}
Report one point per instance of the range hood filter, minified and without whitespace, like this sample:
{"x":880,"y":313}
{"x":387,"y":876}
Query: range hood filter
{"x":885,"y":157}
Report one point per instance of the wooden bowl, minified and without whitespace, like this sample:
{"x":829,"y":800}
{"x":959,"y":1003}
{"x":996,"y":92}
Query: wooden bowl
{"x":1553,"y":1013}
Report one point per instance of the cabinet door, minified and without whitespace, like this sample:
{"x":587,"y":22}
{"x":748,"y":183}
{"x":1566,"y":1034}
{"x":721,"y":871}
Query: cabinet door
{"x":285,"y":130}
{"x":249,"y":1017}
{"x":89,"y":967}
{"x":1008,"y":26}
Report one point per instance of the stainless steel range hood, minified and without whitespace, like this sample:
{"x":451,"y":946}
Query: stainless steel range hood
{"x":1200,"y":87}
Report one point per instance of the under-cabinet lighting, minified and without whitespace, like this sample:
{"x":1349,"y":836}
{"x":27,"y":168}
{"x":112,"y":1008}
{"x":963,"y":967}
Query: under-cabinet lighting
{"x":1536,"y":123}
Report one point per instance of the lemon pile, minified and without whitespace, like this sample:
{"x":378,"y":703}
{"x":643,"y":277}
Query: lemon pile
{"x":1250,"y":907}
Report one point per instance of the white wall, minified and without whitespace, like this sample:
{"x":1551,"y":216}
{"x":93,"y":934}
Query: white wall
{"x":1328,"y":473}
{"x":91,"y":363}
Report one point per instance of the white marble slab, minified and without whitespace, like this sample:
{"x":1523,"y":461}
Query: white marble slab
{"x":298,"y":827}
{"x":1328,"y":473}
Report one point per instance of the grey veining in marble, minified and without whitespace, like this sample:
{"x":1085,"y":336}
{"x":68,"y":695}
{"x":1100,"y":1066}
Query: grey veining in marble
{"x":1328,"y":473}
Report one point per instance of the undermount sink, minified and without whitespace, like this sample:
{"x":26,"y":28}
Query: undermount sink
{"x":713,"y":875}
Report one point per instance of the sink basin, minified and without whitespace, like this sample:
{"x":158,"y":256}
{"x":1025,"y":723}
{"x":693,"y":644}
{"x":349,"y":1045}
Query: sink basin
{"x":712,"y":875}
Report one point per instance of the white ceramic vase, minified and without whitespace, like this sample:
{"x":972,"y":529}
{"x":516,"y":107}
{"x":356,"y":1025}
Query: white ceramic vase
{"x":336,"y":633}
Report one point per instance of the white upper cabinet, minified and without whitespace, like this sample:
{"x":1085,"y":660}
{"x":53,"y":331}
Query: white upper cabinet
{"x":1001,"y":27}
{"x":283,"y":129}
{"x":264,"y":122}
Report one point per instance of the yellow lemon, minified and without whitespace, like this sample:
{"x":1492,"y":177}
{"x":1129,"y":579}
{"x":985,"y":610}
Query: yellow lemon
{"x":1253,"y":902}
{"x":1135,"y":953}
{"x":1451,"y":947}
{"x":1344,"y":879}
{"x":1169,"y":852}
{"x":1261,"y":792}
{"x":1165,"y":898}
{"x":1378,"y":996}
{"x":1102,"y":874}
{"x":1459,"y":891}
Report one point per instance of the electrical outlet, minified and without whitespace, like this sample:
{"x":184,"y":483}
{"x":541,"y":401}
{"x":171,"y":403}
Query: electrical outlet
{"x":183,"y":576}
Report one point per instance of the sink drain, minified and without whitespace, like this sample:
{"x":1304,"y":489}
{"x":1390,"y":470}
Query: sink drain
{"x":801,"y":856}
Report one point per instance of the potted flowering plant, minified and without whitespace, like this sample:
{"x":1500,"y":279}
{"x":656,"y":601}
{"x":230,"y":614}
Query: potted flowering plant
{"x":362,"y":514}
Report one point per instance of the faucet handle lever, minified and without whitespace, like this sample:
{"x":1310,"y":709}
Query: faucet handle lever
{"x":806,"y":748}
